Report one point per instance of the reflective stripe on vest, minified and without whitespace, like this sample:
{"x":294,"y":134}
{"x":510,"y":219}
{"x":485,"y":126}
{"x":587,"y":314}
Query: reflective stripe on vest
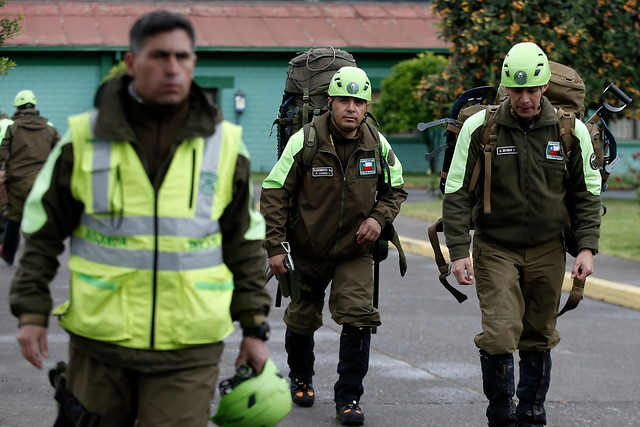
{"x":198,"y":227}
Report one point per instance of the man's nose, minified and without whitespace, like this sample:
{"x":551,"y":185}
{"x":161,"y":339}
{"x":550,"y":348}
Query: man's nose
{"x":171,"y":64}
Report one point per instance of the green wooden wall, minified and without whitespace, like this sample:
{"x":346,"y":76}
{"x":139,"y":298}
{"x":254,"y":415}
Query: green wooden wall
{"x":65,"y":83}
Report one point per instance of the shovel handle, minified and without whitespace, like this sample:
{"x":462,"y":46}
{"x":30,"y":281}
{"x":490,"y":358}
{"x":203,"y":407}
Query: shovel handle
{"x":605,"y":109}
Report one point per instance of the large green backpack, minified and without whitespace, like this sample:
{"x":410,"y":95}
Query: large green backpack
{"x":305,"y":89}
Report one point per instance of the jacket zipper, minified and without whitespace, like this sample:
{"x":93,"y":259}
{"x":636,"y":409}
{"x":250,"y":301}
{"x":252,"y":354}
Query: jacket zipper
{"x":342,"y":194}
{"x":525,"y":234}
{"x":155,"y":255}
{"x":344,"y":181}
{"x":193,"y":178}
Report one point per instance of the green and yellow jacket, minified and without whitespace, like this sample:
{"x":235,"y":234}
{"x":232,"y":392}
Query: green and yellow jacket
{"x":530,"y":187}
{"x":319,"y":208}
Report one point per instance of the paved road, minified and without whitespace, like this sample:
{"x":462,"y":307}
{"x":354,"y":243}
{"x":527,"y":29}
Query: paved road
{"x":424,"y":367}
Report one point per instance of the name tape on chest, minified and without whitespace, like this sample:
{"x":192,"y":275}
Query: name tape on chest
{"x":322,"y":172}
{"x":503,"y":151}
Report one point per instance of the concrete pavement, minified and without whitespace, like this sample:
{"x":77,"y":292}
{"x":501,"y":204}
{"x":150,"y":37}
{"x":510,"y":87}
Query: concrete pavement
{"x":424,"y":367}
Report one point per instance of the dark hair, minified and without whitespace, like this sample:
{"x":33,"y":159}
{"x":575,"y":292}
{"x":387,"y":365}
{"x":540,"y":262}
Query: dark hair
{"x":158,"y":22}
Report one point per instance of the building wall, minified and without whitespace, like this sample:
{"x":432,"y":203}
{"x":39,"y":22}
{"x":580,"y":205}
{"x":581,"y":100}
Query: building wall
{"x":65,"y":84}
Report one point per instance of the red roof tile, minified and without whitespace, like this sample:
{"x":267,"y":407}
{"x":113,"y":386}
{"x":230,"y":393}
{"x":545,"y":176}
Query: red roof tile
{"x":271,"y":25}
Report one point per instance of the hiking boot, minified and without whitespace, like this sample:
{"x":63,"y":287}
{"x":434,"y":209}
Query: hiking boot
{"x":302,"y":393}
{"x":350,"y":414}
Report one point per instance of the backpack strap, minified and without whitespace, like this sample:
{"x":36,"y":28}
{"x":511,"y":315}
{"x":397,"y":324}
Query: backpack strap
{"x":310,"y":147}
{"x":382,"y":167}
{"x":443,"y":266}
{"x":489,"y":139}
{"x":566,"y":133}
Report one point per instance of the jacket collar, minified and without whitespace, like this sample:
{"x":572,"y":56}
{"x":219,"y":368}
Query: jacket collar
{"x":112,"y":123}
{"x":547,"y":116}
{"x":322,"y":125}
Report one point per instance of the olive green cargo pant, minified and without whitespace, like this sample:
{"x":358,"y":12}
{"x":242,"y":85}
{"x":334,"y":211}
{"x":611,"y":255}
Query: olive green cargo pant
{"x":519,"y":293}
{"x":350,"y":297}
{"x":179,"y":397}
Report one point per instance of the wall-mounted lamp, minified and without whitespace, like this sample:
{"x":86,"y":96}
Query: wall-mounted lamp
{"x":240,"y":102}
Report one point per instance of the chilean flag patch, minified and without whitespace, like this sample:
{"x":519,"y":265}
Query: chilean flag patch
{"x":367,"y":166}
{"x":554,"y":150}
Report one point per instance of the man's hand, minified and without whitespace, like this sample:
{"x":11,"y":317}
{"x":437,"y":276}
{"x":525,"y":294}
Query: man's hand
{"x":276,"y":264}
{"x":583,"y":266}
{"x":463,"y":271}
{"x":254,"y":351}
{"x":368,"y":232}
{"x":30,"y":336}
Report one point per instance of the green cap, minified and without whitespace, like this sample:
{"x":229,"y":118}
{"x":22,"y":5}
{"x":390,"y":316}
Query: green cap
{"x":350,"y":81}
{"x":525,"y":65}
{"x":24,"y":97}
{"x":262,"y":400}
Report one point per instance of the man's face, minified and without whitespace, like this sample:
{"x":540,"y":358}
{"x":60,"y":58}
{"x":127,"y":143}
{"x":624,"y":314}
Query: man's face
{"x":163,"y":68}
{"x":348,"y":112}
{"x":526,"y":100}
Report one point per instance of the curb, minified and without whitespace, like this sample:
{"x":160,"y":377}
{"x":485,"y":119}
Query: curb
{"x":598,"y":289}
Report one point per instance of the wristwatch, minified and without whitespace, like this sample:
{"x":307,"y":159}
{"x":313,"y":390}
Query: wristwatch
{"x":261,"y":331}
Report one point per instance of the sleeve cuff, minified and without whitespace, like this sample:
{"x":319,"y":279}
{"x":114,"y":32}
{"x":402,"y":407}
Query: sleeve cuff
{"x":33,"y":319}
{"x":251,"y":319}
{"x":378,"y":217}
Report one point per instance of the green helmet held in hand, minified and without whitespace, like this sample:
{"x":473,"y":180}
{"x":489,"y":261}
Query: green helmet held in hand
{"x":24,"y":97}
{"x":350,"y":81}
{"x":525,"y":65}
{"x":253,"y":401}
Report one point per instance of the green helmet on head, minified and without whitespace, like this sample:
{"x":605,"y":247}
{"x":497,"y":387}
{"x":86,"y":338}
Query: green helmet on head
{"x":253,"y":401}
{"x":526,"y":65}
{"x":24,"y":97}
{"x":350,"y":81}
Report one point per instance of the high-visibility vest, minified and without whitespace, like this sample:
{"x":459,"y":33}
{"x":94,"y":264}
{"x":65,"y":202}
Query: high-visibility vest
{"x":147,"y":269}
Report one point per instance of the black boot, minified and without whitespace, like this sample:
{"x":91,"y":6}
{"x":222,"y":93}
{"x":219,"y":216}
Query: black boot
{"x":535,"y":375}
{"x":300,"y":358}
{"x":352,"y":368}
{"x":499,"y":387}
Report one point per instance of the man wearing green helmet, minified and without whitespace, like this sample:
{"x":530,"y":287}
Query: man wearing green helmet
{"x":25,"y":144}
{"x":330,"y":213}
{"x":518,"y":248}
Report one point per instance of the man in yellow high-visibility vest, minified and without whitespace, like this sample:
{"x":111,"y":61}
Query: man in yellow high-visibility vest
{"x":153,"y":188}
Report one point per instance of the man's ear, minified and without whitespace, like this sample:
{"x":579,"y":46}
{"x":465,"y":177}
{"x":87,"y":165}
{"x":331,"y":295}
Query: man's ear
{"x":544,"y":88}
{"x":129,"y":59}
{"x":329,"y":102}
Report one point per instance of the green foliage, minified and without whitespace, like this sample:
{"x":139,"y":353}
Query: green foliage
{"x":595,"y":37}
{"x":9,"y":28}
{"x":399,"y":108}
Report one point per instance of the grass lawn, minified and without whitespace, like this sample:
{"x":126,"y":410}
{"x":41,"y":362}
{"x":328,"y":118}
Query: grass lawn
{"x":619,"y":232}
